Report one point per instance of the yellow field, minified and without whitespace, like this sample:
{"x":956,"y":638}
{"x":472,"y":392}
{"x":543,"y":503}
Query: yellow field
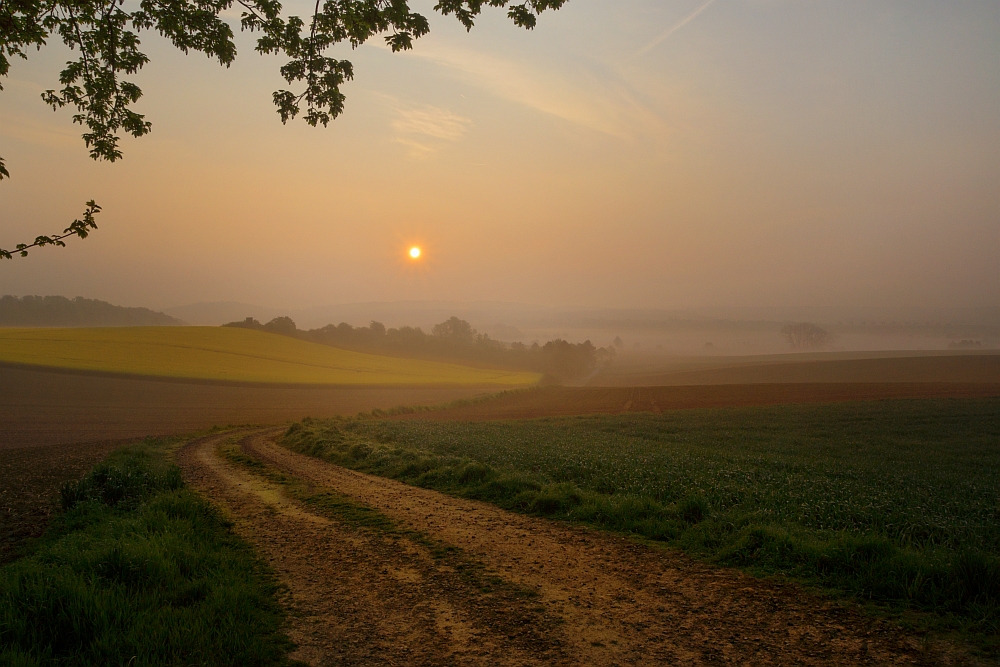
{"x":218,"y":353}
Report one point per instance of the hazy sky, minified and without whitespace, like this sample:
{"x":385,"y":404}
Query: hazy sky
{"x":647,"y":153}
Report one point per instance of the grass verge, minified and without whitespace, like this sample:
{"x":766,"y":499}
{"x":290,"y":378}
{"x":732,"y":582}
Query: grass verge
{"x":139,"y":571}
{"x":892,"y":502}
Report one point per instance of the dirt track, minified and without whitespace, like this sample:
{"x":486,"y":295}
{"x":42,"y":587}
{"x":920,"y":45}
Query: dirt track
{"x":361,"y":596}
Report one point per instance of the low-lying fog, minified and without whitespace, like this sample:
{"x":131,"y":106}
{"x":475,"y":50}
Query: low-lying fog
{"x":651,"y":333}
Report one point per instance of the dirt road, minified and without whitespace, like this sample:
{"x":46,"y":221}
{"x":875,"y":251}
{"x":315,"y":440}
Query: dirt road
{"x":426,"y":579}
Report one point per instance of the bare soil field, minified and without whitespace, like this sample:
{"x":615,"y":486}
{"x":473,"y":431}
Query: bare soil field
{"x":802,"y":368}
{"x":565,"y":401}
{"x":40,"y":407}
{"x":443,"y":580}
{"x":30,"y":478}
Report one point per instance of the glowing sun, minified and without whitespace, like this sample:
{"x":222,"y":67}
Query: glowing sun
{"x":414,"y":252}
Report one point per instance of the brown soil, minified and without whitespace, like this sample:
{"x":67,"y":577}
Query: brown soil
{"x":894,"y":368}
{"x":365,"y":597}
{"x":561,"y":401}
{"x":39,"y":407}
{"x":30,"y":479}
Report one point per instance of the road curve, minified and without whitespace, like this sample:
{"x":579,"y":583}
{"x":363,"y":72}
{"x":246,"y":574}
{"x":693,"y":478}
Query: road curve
{"x":364,"y":597}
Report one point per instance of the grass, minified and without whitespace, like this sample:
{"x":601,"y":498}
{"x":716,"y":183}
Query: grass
{"x":139,"y":571}
{"x":232,"y":354}
{"x":892,"y":502}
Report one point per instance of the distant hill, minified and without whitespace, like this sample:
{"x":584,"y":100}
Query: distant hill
{"x":58,"y":311}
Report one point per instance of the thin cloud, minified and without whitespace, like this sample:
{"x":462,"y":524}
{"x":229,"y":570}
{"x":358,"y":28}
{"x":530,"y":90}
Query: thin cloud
{"x":672,"y":29}
{"x":602,"y":105}
{"x":32,"y":131}
{"x":424,"y":128}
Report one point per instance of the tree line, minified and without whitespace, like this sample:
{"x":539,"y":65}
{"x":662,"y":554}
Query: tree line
{"x":453,"y":340}
{"x":58,"y":311}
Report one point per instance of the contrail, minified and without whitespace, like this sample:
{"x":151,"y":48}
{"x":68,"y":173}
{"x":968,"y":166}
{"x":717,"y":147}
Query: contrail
{"x":674,"y":28}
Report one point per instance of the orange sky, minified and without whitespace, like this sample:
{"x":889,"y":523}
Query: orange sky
{"x":636,"y":153}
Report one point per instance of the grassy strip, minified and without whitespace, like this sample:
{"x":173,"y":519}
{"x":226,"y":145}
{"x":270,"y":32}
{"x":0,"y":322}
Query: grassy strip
{"x":891,"y":502}
{"x":139,"y":571}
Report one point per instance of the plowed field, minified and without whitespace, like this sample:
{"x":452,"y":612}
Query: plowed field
{"x":39,"y":407}
{"x":564,"y":401}
{"x":803,"y":368}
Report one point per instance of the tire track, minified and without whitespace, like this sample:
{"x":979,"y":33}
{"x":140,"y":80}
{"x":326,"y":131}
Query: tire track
{"x":363,"y":597}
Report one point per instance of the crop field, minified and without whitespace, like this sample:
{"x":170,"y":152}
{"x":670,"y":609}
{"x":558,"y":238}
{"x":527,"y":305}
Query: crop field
{"x":894,"y":502}
{"x":231,"y":354}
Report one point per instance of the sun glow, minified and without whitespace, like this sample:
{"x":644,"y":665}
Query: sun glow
{"x":415,"y":252}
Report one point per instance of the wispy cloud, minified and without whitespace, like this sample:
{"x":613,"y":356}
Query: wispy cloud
{"x":56,"y":134}
{"x":659,"y":39}
{"x":424,"y":128}
{"x":602,"y":102}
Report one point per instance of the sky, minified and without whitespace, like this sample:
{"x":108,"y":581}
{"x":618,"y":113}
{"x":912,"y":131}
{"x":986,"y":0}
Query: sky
{"x":636,"y":153}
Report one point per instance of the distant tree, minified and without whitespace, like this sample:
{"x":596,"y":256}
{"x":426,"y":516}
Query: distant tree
{"x":455,"y":330}
{"x":58,"y":311}
{"x":106,"y":36}
{"x":605,"y":355}
{"x":281,"y":325}
{"x":806,"y":336}
{"x":563,"y":359}
{"x":453,"y":340}
{"x":248,"y":323}
{"x":619,"y":343}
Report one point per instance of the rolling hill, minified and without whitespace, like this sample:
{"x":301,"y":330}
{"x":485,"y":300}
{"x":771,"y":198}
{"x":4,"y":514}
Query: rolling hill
{"x":226,"y":354}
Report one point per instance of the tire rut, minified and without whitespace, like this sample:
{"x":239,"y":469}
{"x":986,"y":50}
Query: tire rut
{"x":364,"y":597}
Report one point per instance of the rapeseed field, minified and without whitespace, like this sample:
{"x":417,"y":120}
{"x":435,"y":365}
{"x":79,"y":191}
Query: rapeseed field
{"x":230,"y":354}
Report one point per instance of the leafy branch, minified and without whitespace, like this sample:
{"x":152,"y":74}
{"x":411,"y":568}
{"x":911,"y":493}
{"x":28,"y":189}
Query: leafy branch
{"x":81,"y":228}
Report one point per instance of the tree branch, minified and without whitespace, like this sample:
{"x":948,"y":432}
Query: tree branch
{"x":81,"y":228}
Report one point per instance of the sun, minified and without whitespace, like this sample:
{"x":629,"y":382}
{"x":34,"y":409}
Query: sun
{"x":415,"y":252}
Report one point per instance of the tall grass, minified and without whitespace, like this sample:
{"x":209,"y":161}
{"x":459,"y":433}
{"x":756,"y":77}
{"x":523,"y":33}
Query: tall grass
{"x":139,"y":571}
{"x":894,"y":502}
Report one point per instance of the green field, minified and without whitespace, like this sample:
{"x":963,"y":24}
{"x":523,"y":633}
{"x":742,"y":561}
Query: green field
{"x":894,"y":501}
{"x":241,"y":355}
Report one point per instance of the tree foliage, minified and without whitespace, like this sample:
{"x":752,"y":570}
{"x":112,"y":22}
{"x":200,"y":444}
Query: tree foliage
{"x":58,"y":311}
{"x":806,"y":336}
{"x":106,"y":38}
{"x":453,"y":340}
